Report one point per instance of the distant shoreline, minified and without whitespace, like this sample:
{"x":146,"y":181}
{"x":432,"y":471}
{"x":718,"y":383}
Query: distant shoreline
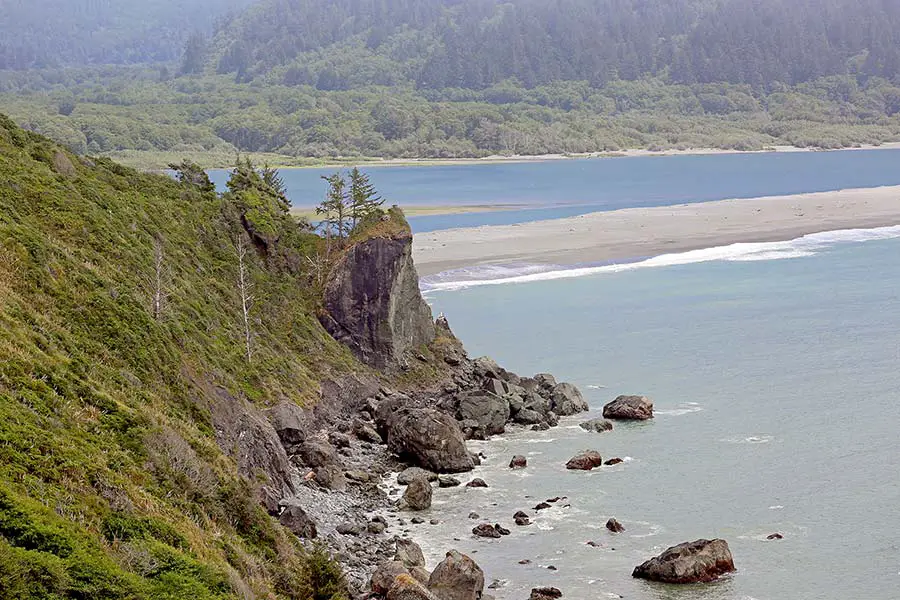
{"x":642,"y":232}
{"x":157,"y":161}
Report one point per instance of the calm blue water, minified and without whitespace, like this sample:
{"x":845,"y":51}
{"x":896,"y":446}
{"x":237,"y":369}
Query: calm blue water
{"x":554,"y":189}
{"x":777,"y":391}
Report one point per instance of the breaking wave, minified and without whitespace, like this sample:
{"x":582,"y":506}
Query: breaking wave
{"x":808,"y":245}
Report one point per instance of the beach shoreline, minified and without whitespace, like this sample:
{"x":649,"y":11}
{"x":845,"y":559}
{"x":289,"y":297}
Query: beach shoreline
{"x":632,"y":233}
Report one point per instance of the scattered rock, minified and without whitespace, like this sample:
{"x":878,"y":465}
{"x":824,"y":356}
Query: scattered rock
{"x":446,"y":481}
{"x":407,"y":475}
{"x":529,"y":416}
{"x":358,"y":476}
{"x":350,"y":529}
{"x":501,"y":530}
{"x":775,"y":536}
{"x":639,"y":408}
{"x":366,"y":433}
{"x":376,"y":528}
{"x":409,"y":553}
{"x":524,"y":561}
{"x":295,"y":518}
{"x":384,"y":576}
{"x":545,"y":593}
{"x":518,"y":462}
{"x":691,"y":562}
{"x":552,"y":568}
{"x":474,"y":515}
{"x":339,"y":440}
{"x":613,"y":461}
{"x":585,"y":461}
{"x":597,"y":425}
{"x":520,"y":514}
{"x":542,"y":426}
{"x":457,"y":577}
{"x":522,"y":521}
{"x":497,"y":584}
{"x":417,"y":495}
{"x":542,"y":506}
{"x":545,"y":381}
{"x":477,"y":483}
{"x":555,"y":500}
{"x":485,"y":530}
{"x":614,"y":526}
{"x":417,"y":520}
{"x":435,"y":522}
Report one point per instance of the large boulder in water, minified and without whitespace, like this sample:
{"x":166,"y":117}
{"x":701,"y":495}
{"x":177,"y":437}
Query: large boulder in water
{"x":372,"y":302}
{"x":597,"y":425}
{"x":565,"y":400}
{"x":490,"y":411}
{"x":691,"y":562}
{"x":457,"y":577}
{"x":636,"y":408}
{"x":586,"y":460}
{"x":430,"y":439}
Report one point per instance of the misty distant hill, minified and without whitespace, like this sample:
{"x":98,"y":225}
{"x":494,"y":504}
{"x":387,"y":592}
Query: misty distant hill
{"x":46,"y":33}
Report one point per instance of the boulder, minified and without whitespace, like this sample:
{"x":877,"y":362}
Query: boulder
{"x":446,"y":481}
{"x":534,"y":401}
{"x":542,"y":506}
{"x":457,"y":577}
{"x":376,"y":527}
{"x":501,"y":529}
{"x":691,"y":562}
{"x":298,"y":522}
{"x":545,"y":381}
{"x":366,"y":432}
{"x":289,"y":422}
{"x":331,"y":477}
{"x":774,"y":536}
{"x":597,"y":425}
{"x":339,"y":440}
{"x":477,"y":483}
{"x":384,"y":576}
{"x":527,"y":416}
{"x":409,"y":553}
{"x":613,"y":461}
{"x":430,"y":439}
{"x":522,"y":521}
{"x":545,"y":593}
{"x":490,"y":411}
{"x":498,"y":387}
{"x":565,"y":400}
{"x":407,"y":475}
{"x":486,"y":367}
{"x":518,"y":462}
{"x":540,"y":427}
{"x":614,"y":526}
{"x":635,"y":408}
{"x":485,"y":530}
{"x":318,"y":454}
{"x":372,"y":303}
{"x":417,"y":495}
{"x":420,"y":574}
{"x":354,"y":529}
{"x":585,"y":461}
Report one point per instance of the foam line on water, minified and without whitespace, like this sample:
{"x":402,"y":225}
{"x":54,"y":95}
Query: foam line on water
{"x":807,"y":245}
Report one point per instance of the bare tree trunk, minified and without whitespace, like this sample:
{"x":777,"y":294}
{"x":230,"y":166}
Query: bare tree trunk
{"x":245,"y":287}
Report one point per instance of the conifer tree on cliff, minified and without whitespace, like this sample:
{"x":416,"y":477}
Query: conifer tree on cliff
{"x":335,"y":208}
{"x":364,"y":199}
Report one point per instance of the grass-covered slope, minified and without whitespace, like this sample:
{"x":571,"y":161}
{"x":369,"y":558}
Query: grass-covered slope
{"x":112,"y":484}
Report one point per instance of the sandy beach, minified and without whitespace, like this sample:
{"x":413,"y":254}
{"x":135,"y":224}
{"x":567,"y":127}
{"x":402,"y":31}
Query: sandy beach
{"x":643,"y":232}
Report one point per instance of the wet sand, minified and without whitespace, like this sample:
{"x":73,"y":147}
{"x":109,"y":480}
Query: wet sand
{"x":643,"y":232}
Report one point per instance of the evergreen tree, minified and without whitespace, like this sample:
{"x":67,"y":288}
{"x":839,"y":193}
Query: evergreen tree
{"x":335,"y":208}
{"x":364,"y":199}
{"x":194,"y":55}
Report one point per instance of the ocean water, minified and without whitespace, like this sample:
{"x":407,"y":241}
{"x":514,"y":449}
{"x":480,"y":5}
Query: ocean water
{"x":564,"y":188}
{"x":774,"y":371}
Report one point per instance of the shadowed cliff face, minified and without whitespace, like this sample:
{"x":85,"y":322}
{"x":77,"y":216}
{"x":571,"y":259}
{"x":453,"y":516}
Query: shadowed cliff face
{"x":373,"y":304}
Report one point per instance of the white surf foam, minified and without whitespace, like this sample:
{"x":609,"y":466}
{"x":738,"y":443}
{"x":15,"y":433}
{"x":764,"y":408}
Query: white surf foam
{"x":807,"y":245}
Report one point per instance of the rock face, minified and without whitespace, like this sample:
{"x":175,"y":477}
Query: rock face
{"x":490,"y":411}
{"x":635,"y":408}
{"x":585,"y":461}
{"x":691,"y":562}
{"x":430,"y":439}
{"x":597,"y":425}
{"x":457,"y":577}
{"x":565,"y":400}
{"x":418,"y":494}
{"x":372,"y":301}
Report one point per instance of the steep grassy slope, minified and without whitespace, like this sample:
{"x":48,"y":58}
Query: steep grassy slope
{"x":112,"y":484}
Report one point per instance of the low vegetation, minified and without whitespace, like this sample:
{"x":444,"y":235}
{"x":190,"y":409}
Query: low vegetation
{"x":119,"y":309}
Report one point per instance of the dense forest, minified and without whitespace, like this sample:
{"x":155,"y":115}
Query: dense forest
{"x":45,"y":33}
{"x":465,"y":78}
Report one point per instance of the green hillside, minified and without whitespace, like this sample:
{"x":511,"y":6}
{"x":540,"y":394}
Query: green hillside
{"x":112,"y":484}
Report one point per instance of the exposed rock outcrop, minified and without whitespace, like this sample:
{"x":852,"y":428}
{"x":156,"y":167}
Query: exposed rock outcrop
{"x":565,"y":400}
{"x":490,"y":411}
{"x":635,"y":408}
{"x":372,"y":302}
{"x":691,"y":562}
{"x":457,"y":577}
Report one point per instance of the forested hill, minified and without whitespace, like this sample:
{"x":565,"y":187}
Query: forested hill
{"x":45,"y":33}
{"x":474,"y":44}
